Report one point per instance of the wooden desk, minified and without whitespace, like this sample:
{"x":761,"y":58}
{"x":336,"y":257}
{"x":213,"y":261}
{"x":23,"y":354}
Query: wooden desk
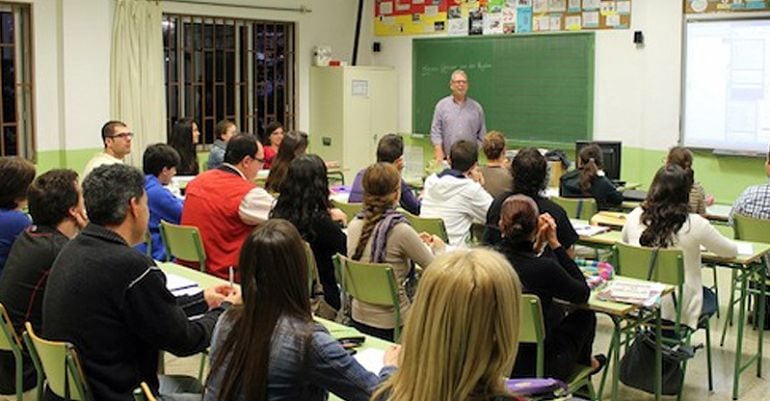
{"x":335,"y":329}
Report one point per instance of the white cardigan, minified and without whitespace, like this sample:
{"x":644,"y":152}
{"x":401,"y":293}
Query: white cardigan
{"x":695,"y":232}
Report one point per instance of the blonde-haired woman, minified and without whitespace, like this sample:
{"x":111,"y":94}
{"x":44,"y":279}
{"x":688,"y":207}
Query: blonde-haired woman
{"x":461,"y":338}
{"x":380,"y":234}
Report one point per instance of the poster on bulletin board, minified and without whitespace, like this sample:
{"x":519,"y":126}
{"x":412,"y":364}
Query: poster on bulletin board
{"x":494,"y":17}
{"x":722,"y":6}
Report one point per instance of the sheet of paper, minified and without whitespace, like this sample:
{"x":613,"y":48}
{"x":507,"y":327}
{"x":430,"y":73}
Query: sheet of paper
{"x":591,"y":4}
{"x":613,"y":20}
{"x":572,"y":23}
{"x":557,"y":5}
{"x":179,"y":285}
{"x":624,"y":7}
{"x":541,"y":23}
{"x":371,"y":359}
{"x":591,"y":19}
{"x":555,"y":23}
{"x":574,"y":6}
{"x":540,"y":6}
{"x":431,"y":11}
{"x":403,"y":6}
{"x":745,"y":248}
{"x":386,"y":8}
{"x":607,"y":7}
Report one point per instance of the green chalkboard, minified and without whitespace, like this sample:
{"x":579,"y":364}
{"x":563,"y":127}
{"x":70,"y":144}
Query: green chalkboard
{"x":538,"y":89}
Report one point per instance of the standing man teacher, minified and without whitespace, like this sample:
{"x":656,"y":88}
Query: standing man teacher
{"x":456,"y":117}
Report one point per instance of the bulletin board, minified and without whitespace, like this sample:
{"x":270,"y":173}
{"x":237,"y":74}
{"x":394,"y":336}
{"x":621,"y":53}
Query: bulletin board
{"x":724,"y":6}
{"x":495,"y":17}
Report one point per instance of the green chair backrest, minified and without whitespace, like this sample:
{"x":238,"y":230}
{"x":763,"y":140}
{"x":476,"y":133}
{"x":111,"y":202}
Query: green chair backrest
{"x":184,"y":242}
{"x":373,"y":283}
{"x":532,"y":328}
{"x":751,"y":229}
{"x":61,"y":366}
{"x":577,"y":208}
{"x":351,"y":210}
{"x":9,"y":341}
{"x":430,"y":225}
{"x":637,"y":261}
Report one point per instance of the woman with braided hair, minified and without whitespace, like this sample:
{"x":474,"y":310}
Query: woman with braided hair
{"x":380,"y":234}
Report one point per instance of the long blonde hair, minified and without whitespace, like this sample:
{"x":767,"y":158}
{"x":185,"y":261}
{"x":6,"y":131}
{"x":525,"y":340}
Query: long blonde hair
{"x":461,"y":336}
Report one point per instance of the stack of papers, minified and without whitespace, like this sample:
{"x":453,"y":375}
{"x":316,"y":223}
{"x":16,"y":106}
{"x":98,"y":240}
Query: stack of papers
{"x":371,"y":359}
{"x":636,"y":293}
{"x":587,"y":230}
{"x":181,"y":286}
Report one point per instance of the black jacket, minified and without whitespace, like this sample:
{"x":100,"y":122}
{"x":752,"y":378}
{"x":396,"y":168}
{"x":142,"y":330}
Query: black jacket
{"x":111,"y":302}
{"x":601,"y":189}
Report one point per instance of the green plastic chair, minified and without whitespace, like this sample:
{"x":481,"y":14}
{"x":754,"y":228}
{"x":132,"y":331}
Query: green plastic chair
{"x":746,"y":229}
{"x":184,"y":242}
{"x":430,"y":225}
{"x":666,"y":267}
{"x":577,"y":208}
{"x":9,"y":341}
{"x":373,"y":283}
{"x":351,"y":210}
{"x":58,"y":362}
{"x":532,"y":331}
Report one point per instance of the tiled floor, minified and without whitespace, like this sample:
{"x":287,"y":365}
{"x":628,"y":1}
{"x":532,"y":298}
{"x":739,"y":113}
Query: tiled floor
{"x":696,"y":387}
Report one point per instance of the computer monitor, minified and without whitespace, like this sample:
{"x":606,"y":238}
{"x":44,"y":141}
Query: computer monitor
{"x":610,"y":154}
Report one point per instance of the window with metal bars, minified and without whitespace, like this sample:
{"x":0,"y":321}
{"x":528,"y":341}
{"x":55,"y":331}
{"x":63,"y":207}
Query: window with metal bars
{"x":241,"y":70}
{"x":16,"y":113}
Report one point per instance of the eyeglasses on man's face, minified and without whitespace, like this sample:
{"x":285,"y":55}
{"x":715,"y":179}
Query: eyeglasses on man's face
{"x":123,"y":135}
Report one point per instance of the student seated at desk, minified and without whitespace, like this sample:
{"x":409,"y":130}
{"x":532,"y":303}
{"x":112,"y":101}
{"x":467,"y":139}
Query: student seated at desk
{"x":497,"y":172}
{"x":56,"y":205}
{"x":383,"y":235}
{"x":16,"y":174}
{"x":530,"y":172}
{"x":682,"y":157}
{"x":270,"y":348}
{"x":159,"y":163}
{"x":304,"y":202}
{"x":461,"y":339}
{"x":664,"y":220}
{"x":294,"y":144}
{"x":456,"y":194}
{"x":568,"y":337}
{"x":184,"y":136}
{"x":755,"y":200}
{"x":272,"y":141}
{"x":588,"y":180}
{"x":390,"y":149}
{"x":224,"y":130}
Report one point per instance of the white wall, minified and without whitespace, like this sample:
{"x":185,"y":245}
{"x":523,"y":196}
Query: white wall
{"x":636,"y":96}
{"x":72,"y":41}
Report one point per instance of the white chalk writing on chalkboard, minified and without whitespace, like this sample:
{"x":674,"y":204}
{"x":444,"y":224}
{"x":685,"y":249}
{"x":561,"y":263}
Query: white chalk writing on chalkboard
{"x":427,"y":70}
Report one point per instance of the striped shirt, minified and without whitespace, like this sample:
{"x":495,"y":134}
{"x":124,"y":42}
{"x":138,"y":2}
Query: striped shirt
{"x":753,"y":202}
{"x":456,"y":121}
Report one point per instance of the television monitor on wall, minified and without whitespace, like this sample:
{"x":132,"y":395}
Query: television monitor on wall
{"x":610,"y":153}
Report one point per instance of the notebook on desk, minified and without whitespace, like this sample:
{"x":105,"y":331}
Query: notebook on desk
{"x":634,"y":195}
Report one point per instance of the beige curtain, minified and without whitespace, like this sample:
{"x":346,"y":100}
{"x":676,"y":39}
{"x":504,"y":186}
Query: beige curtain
{"x":137,"y":94}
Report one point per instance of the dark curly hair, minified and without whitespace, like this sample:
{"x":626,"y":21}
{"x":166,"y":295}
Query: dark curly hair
{"x":530,"y":172}
{"x":666,"y":207}
{"x":304,"y":198}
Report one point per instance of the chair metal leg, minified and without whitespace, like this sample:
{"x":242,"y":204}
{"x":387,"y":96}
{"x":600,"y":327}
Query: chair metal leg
{"x":708,"y":354}
{"x":716,"y":287}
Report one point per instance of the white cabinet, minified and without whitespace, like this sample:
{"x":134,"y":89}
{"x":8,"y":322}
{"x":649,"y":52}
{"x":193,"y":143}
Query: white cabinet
{"x":350,"y":109}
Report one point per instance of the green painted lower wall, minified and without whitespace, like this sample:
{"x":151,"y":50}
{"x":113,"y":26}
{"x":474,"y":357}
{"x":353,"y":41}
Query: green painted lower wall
{"x":724,"y":177}
{"x":75,"y":159}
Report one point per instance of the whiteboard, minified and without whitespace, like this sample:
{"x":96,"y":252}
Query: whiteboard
{"x":727,"y":85}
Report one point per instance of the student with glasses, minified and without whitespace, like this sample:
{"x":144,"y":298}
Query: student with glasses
{"x":117,"y":145}
{"x":225,"y":204}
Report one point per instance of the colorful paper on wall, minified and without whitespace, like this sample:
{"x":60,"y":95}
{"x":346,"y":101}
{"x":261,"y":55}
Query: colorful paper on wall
{"x":524,"y":19}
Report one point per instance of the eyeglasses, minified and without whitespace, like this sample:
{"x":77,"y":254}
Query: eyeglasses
{"x":460,"y":81}
{"x":258,"y":159}
{"x":126,"y":135}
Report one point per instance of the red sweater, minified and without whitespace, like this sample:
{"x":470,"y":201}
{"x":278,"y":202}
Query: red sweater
{"x":211,"y":203}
